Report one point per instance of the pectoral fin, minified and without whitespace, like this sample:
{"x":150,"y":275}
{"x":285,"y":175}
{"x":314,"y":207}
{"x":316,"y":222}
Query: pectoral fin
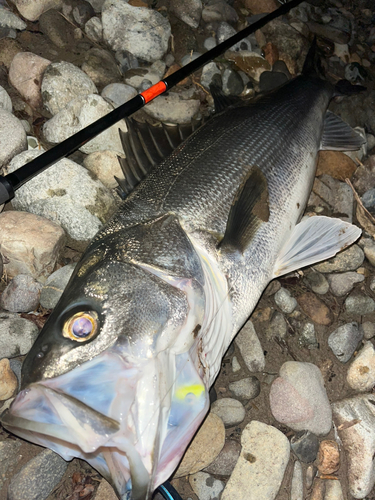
{"x":339,"y":136}
{"x":312,"y":240}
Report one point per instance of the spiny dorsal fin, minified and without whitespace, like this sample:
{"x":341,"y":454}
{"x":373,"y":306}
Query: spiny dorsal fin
{"x":223,"y":101}
{"x":249,"y":210}
{"x":338,"y":135}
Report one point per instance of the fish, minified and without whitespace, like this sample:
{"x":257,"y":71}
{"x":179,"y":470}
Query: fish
{"x":120,"y":373}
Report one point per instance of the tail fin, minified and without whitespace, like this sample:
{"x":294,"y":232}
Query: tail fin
{"x":312,"y":66}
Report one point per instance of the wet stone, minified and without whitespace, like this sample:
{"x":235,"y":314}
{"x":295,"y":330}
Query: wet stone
{"x":344,"y":341}
{"x":317,"y":282}
{"x":305,"y":446}
{"x":246,"y":388}
{"x":285,"y":301}
{"x":343,"y":283}
{"x":205,"y":486}
{"x":55,"y":285}
{"x":21,"y":295}
{"x":225,"y":462}
{"x":359,"y":304}
{"x":188,"y":12}
{"x":17,"y":335}
{"x":58,"y":29}
{"x":347,"y":260}
{"x":229,"y":410}
{"x":118,"y":93}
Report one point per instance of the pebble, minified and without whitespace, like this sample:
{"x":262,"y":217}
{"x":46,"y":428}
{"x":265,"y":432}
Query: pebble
{"x":188,"y":12}
{"x":143,"y":32}
{"x":246,"y":388}
{"x":225,"y":31}
{"x":21,"y":294}
{"x":344,"y":341}
{"x":231,"y":411}
{"x":333,"y":490}
{"x":335,"y":164}
{"x":61,"y":33}
{"x":219,"y":11}
{"x":128,"y":61}
{"x":65,"y":193}
{"x":8,"y":381}
{"x":232,"y":82}
{"x":298,"y":398}
{"x":37,"y":479}
{"x":137,"y":77}
{"x":23,"y":248}
{"x":101,"y":67}
{"x":63,"y":82}
{"x":94,"y":29}
{"x":361,"y":373}
{"x":328,"y":457}
{"x":12,"y":137}
{"x":250,"y":348}
{"x":262,"y":463}
{"x":355,"y":422}
{"x":16,"y":366}
{"x":305,"y":446}
{"x":225,"y":462}
{"x":32,"y":9}
{"x":104,"y":165}
{"x":206,"y":487}
{"x":347,"y":260}
{"x":55,"y":285}
{"x":308,"y":336}
{"x":285,"y":301}
{"x":315,"y":309}
{"x":10,"y":20}
{"x":296,"y":490}
{"x":368,"y":329}
{"x":118,"y":93}
{"x":277,"y":327}
{"x":249,"y":62}
{"x":173,"y":108}
{"x":317,"y":282}
{"x":5,"y":100}
{"x":343,"y":283}
{"x":205,"y":447}
{"x":105,"y":491}
{"x":17,"y":335}
{"x":209,"y":44}
{"x":236,"y":367}
{"x":79,"y":113}
{"x":330,"y":32}
{"x":359,"y":304}
{"x":208,"y":73}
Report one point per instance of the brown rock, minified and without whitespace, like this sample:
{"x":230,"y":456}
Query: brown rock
{"x":336,"y":164}
{"x":260,"y":6}
{"x":328,"y":457}
{"x":204,"y":448}
{"x":271,"y":53}
{"x":8,"y":380}
{"x":250,"y":62}
{"x":314,"y":308}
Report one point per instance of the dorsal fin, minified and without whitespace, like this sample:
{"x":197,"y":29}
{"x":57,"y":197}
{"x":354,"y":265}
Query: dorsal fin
{"x":223,"y":101}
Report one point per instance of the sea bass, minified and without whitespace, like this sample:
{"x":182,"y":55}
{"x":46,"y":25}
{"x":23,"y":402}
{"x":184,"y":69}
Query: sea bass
{"x":119,"y":375}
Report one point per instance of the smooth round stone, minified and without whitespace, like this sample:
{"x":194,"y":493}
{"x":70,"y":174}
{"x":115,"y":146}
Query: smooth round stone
{"x":55,"y":285}
{"x":136,"y":77}
{"x":246,"y":388}
{"x":82,"y":13}
{"x":347,"y":260}
{"x":94,"y":29}
{"x":8,"y":380}
{"x":305,"y":446}
{"x":229,"y":410}
{"x":5,"y":100}
{"x":104,"y":165}
{"x":343,"y":283}
{"x":159,"y":67}
{"x":368,"y":330}
{"x":172,"y":108}
{"x":317,"y":282}
{"x":250,"y":348}
{"x":361,"y":373}
{"x":205,"y":486}
{"x":12,"y":137}
{"x":285,"y":301}
{"x":225,"y":462}
{"x":32,"y":9}
{"x":296,"y":489}
{"x":10,"y":20}
{"x":232,"y":82}
{"x":369,"y":250}
{"x":359,"y":304}
{"x":22,"y":294}
{"x":344,"y":341}
{"x":17,"y":335}
{"x":61,"y":32}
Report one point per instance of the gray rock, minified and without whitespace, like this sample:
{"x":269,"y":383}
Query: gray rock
{"x":225,"y":462}
{"x":277,"y":326}
{"x":344,"y":341}
{"x":55,"y":285}
{"x":32,"y":9}
{"x":246,"y":388}
{"x":188,"y":58}
{"x":232,"y":82}
{"x":308,"y":336}
{"x":368,"y":329}
{"x":305,"y":446}
{"x":219,"y":11}
{"x":143,"y":32}
{"x":17,"y":335}
{"x":188,"y":12}
{"x":341,"y":284}
{"x":101,"y":67}
{"x":229,"y":410}
{"x":250,"y":348}
{"x":82,"y":13}
{"x":285,"y":301}
{"x":368,"y":199}
{"x":62,"y":82}
{"x":317,"y":282}
{"x":16,"y":367}
{"x":209,"y":44}
{"x":118,"y":93}
{"x":369,"y":249}
{"x":9,"y":456}
{"x":5,"y":100}
{"x":158,"y":67}
{"x":38,"y":477}
{"x":21,"y":294}
{"x":347,"y":260}
{"x":136,"y":77}
{"x":225,"y":31}
{"x":59,"y":30}
{"x":78,"y":114}
{"x":12,"y":137}
{"x":338,"y":195}
{"x":172,"y":108}
{"x":10,"y":20}
{"x":126,"y":60}
{"x":94,"y":29}
{"x":205,"y":486}
{"x":296,"y":489}
{"x":359,"y":304}
{"x":208,"y":72}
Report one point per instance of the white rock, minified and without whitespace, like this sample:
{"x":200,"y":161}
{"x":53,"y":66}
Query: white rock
{"x":94,"y":29}
{"x":143,"y":32}
{"x":231,"y":411}
{"x":189,"y":12}
{"x":361,"y":373}
{"x":296,"y":490}
{"x":118,"y":93}
{"x":260,"y":469}
{"x":63,"y":82}
{"x":80,"y":113}
{"x":172,"y":108}
{"x":12,"y":137}
{"x":205,"y":486}
{"x":32,"y":9}
{"x":250,"y":348}
{"x":104,"y":165}
{"x":10,"y":20}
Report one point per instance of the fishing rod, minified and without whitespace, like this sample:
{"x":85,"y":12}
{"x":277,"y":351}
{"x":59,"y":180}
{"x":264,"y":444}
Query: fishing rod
{"x":11,"y":182}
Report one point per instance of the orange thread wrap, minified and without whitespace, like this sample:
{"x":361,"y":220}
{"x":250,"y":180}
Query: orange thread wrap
{"x":154,"y":91}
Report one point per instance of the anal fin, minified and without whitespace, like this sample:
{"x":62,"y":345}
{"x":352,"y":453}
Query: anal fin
{"x":312,"y":240}
{"x":338,"y":135}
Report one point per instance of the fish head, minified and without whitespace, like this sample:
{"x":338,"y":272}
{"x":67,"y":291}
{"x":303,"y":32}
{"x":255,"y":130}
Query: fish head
{"x":113,"y":378}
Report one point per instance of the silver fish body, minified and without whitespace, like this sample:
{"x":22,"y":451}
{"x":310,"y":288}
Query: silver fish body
{"x":119,"y":375}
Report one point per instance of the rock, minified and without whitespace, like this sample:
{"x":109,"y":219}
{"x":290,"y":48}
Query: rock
{"x":229,"y":410}
{"x":21,"y":294}
{"x":9,"y":457}
{"x":305,"y":446}
{"x":17,"y":335}
{"x":77,"y":115}
{"x":328,"y":457}
{"x":333,"y":490}
{"x":105,"y":491}
{"x":246,"y":388}
{"x":277,"y":327}
{"x":127,"y":60}
{"x":12,"y":137}
{"x":205,"y":486}
{"x":63,"y":82}
{"x":16,"y":367}
{"x":209,"y":44}
{"x":10,"y":20}
{"x":32,"y":9}
{"x":296,"y":490}
{"x":285,"y":301}
{"x":315,"y":309}
{"x":225,"y":462}
{"x":317,"y":282}
{"x":361,"y":373}
{"x":24,"y":249}
{"x":94,"y":29}
{"x":8,"y":381}
{"x":118,"y":93}
{"x":344,"y":340}
{"x":140,"y":77}
{"x":258,"y":7}
{"x":219,"y":11}
{"x":55,"y":285}
{"x":347,"y":260}
{"x":232,"y":82}
{"x":369,"y":250}
{"x":225,"y":31}
{"x":205,"y":447}
{"x":341,"y":284}
{"x":355,"y":422}
{"x":58,"y":29}
{"x":104,"y":165}
{"x":38,"y":477}
{"x":208,"y":73}
{"x":188,"y":12}
{"x":330,"y":32}
{"x":298,"y":398}
{"x":368,"y":329}
{"x":359,"y":304}
{"x":66,"y":194}
{"x":236,"y":367}
{"x":308,"y":336}
{"x":143,"y":32}
{"x":264,"y":457}
{"x":172,"y":108}
{"x":336,"y":194}
{"x":250,"y":62}
{"x":101,"y":67}
{"x":5,"y":100}
{"x":250,"y":348}
{"x":82,"y":13}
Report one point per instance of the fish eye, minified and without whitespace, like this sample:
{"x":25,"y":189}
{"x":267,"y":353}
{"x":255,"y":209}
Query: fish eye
{"x":81,"y":326}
